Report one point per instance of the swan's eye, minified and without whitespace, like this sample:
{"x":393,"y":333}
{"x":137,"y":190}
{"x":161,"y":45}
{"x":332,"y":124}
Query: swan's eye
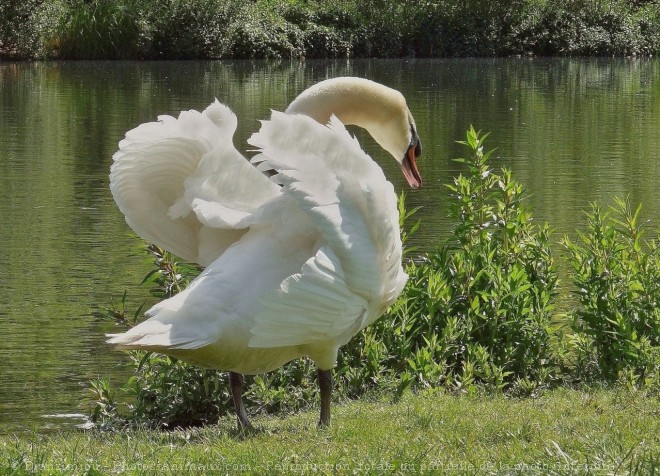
{"x":415,"y":141}
{"x":418,"y":148}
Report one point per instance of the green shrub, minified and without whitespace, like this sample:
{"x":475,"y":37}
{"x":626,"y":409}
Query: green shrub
{"x":382,"y":27}
{"x":617,"y":282}
{"x":178,"y":29}
{"x":101,"y":29}
{"x":170,"y":393}
{"x":185,"y":29}
{"x":477,"y":27}
{"x":14,"y":18}
{"x":163,"y":392}
{"x":590,"y":28}
{"x":260,"y":32}
{"x":26,"y":26}
{"x":326,"y":28}
{"x":478,"y":310}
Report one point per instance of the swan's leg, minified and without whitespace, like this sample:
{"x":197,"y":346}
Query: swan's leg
{"x":325,"y":386}
{"x":236,"y":385}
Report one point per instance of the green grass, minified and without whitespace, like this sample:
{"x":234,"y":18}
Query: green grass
{"x":562,"y":432}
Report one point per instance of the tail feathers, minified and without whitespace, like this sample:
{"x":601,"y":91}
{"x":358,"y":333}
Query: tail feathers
{"x":155,"y":336}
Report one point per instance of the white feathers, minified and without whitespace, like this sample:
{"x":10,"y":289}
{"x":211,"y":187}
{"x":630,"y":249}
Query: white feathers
{"x":319,"y":290}
{"x":177,"y":179}
{"x":297,"y":262}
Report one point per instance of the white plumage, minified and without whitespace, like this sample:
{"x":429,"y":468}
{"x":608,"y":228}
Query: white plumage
{"x":296,"y":263}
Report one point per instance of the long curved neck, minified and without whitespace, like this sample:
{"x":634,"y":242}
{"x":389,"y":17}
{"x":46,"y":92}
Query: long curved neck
{"x":355,"y":101}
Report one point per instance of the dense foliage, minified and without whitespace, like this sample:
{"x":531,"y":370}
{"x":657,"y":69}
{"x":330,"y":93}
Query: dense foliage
{"x":617,"y":278}
{"x":478,"y":313}
{"x":480,"y":308}
{"x":177,"y":29}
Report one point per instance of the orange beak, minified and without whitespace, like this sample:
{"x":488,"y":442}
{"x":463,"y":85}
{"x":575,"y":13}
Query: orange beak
{"x":409,"y":168}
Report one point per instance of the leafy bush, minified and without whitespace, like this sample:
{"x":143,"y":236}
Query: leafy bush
{"x":617,"y":282}
{"x":178,"y":29}
{"x":164,"y":391}
{"x":25,"y":27}
{"x":260,"y":32}
{"x":326,"y":29}
{"x":185,"y":29}
{"x":170,"y":393}
{"x":590,"y":27}
{"x":101,"y":29}
{"x":474,"y":27}
{"x":13,"y":16}
{"x":478,"y":310}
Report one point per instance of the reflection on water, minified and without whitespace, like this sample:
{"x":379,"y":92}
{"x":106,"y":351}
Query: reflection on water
{"x":573,"y":131}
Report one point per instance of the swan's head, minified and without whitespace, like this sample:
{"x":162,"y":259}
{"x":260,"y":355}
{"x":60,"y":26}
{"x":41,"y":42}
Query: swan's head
{"x":399,"y":137}
{"x":382,"y":111}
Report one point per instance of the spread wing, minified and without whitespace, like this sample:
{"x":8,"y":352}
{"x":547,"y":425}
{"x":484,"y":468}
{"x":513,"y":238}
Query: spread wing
{"x":182,"y":185}
{"x":345,"y":195}
{"x":329,"y":204}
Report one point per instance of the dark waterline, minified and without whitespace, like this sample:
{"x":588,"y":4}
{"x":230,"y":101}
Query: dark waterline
{"x":572,"y":131}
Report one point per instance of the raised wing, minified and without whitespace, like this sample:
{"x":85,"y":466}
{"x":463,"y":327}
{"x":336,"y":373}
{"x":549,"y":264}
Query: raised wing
{"x":357,"y":271}
{"x":182,"y":185}
{"x":345,"y":194}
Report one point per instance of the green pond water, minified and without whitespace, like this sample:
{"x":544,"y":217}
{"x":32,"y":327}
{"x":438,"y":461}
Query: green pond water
{"x":573,"y":131}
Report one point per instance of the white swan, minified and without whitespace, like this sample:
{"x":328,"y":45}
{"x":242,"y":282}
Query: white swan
{"x":296,"y":263}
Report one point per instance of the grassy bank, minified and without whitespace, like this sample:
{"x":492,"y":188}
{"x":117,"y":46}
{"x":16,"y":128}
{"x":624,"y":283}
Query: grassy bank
{"x":562,"y":432}
{"x":175,"y":29}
